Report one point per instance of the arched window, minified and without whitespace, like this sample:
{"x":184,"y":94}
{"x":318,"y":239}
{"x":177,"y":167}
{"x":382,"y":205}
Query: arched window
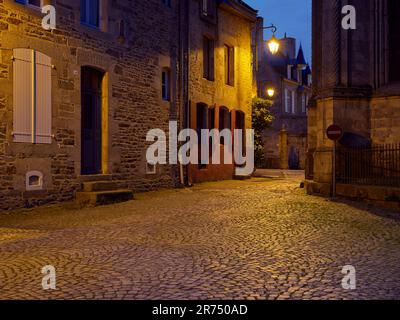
{"x":224,"y":118}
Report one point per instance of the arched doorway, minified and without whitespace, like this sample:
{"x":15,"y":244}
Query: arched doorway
{"x":91,"y":120}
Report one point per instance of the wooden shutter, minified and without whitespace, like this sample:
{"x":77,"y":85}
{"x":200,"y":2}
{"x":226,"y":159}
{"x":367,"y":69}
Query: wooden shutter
{"x":43,"y":98}
{"x":22,"y":115}
{"x":32,"y":97}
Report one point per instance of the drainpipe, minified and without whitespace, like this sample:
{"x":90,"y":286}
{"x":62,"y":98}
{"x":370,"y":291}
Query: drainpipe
{"x":187,"y":102}
{"x":184,"y":118}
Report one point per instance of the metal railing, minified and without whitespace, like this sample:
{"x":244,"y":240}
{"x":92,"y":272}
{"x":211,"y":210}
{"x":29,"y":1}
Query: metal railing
{"x":378,"y":165}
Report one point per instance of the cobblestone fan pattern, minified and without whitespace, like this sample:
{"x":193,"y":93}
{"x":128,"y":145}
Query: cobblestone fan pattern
{"x":257,"y":239}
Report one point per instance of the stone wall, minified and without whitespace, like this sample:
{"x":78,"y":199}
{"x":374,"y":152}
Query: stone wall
{"x":132,"y":65}
{"x":234,"y":30}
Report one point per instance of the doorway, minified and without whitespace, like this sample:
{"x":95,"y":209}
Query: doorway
{"x":91,"y":121}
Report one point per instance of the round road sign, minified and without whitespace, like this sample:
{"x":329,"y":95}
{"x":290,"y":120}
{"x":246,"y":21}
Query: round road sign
{"x":334,"y":132}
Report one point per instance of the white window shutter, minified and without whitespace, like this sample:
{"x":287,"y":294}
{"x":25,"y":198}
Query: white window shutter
{"x":22,"y":95}
{"x":43,"y":99}
{"x":32,"y":80}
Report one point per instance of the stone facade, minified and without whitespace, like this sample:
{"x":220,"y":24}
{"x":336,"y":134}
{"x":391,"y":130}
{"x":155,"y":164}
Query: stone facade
{"x":355,"y":77}
{"x":230,"y":23}
{"x":134,"y":47}
{"x":289,"y":75}
{"x":131,"y":59}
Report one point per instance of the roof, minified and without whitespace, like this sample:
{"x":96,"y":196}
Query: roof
{"x":300,"y":57}
{"x":240,"y":8}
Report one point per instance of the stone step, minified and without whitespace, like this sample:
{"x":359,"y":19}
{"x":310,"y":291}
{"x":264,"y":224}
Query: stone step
{"x":94,"y":186}
{"x":103,"y":197}
{"x":95,"y":177}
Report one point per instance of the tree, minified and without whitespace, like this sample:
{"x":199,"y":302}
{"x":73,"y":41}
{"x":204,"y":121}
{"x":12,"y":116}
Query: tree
{"x":262,"y":118}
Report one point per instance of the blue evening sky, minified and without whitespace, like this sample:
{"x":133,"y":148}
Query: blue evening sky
{"x":290,"y":16}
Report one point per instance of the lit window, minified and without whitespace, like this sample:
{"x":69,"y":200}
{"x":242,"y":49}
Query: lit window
{"x":166,"y":85}
{"x":90,"y":13}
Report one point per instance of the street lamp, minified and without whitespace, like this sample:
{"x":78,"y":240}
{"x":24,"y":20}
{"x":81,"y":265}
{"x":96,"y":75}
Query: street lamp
{"x":273,"y":43}
{"x":271,"y":92}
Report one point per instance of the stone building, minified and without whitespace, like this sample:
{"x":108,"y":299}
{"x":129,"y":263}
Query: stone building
{"x":356,"y":77}
{"x":77,"y":102}
{"x":289,"y":75}
{"x":221,"y":83}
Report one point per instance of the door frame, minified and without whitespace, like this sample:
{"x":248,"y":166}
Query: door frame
{"x":104,"y":125}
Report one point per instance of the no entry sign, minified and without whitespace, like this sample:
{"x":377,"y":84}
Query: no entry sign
{"x":334,"y":132}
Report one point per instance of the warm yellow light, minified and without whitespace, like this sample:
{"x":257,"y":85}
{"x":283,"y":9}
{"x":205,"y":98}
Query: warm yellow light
{"x":271,"y":92}
{"x":273,"y":45}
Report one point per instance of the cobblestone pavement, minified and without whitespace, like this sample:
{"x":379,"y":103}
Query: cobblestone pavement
{"x":256,"y":239}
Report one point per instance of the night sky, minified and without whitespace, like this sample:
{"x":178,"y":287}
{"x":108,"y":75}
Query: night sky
{"x":290,"y":16}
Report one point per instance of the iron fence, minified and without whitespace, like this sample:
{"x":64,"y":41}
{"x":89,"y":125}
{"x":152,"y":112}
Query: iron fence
{"x":378,"y":165}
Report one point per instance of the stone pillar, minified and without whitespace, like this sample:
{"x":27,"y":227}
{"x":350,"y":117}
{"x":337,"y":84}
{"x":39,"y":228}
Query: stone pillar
{"x":283,"y":149}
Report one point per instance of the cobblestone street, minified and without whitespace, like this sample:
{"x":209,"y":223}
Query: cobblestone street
{"x":257,"y":239}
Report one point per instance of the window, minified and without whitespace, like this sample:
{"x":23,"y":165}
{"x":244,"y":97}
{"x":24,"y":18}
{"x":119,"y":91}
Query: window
{"x":32,"y":97}
{"x":394,"y":40}
{"x":151,"y":168}
{"x":166,"y":84}
{"x":208,"y":58}
{"x":303,"y":103}
{"x":34,"y":181}
{"x":167,"y":2}
{"x":34,"y":3}
{"x":90,"y":13}
{"x":293,"y":102}
{"x":229,"y":65}
{"x":224,"y":119}
{"x":289,"y":72}
{"x":287,"y":100}
{"x":204,"y":7}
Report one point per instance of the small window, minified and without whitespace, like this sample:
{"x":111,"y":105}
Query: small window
{"x":90,"y":13}
{"x":167,"y":3}
{"x":208,"y":58}
{"x":166,"y":84}
{"x":151,"y":168}
{"x":229,"y":65}
{"x":34,"y":181}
